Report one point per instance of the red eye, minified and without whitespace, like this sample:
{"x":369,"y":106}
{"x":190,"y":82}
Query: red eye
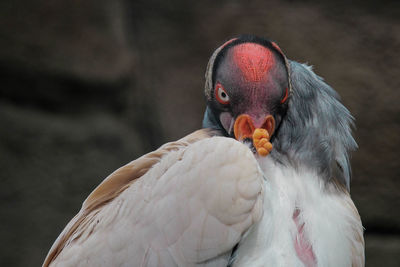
{"x":221,"y":95}
{"x":285,"y":97}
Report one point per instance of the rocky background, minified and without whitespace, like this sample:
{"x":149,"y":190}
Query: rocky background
{"x":87,"y":86}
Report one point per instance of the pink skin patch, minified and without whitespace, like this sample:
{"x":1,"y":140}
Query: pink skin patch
{"x":254,"y":60}
{"x":303,"y":248}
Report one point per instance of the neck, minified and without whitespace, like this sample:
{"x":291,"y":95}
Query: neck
{"x":316,"y":130}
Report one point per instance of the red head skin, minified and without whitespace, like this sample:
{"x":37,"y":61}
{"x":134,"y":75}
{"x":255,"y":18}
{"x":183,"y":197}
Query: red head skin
{"x":253,"y":60}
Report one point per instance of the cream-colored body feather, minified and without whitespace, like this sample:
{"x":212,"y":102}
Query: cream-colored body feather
{"x":191,"y":201}
{"x":189,"y":209}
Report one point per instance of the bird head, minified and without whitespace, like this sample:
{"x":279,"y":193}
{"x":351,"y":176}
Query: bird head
{"x":254,"y":91}
{"x":247,"y":88}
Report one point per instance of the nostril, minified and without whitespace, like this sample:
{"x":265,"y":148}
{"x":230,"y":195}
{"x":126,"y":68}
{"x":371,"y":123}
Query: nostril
{"x":247,"y":127}
{"x":269,"y":124}
{"x":266,"y":125}
{"x":244,"y":127}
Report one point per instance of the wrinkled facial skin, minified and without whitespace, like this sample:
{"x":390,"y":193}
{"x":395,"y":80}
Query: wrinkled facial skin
{"x":255,"y":81}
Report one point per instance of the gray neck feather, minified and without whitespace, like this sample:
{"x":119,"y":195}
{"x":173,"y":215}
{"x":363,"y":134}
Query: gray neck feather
{"x":316,"y":131}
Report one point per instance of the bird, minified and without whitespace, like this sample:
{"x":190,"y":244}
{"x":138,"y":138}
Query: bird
{"x":265,"y":182}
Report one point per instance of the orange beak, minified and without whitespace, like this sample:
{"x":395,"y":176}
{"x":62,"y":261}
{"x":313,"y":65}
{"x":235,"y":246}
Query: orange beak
{"x":244,"y":128}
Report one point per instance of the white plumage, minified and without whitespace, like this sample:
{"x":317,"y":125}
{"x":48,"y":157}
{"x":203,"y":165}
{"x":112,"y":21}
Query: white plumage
{"x":331,"y":222}
{"x":196,"y":203}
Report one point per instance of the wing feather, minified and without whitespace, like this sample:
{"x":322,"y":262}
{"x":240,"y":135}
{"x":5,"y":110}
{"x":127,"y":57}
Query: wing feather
{"x":113,"y":186}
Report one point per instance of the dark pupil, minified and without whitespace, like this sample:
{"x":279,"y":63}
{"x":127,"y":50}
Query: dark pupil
{"x":223,"y":94}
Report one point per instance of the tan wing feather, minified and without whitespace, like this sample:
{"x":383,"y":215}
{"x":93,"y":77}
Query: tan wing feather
{"x":113,"y":185}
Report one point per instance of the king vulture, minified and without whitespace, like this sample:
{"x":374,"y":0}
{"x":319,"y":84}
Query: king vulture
{"x":264,"y":183}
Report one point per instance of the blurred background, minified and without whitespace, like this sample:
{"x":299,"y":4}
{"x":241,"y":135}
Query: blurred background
{"x":87,"y":86}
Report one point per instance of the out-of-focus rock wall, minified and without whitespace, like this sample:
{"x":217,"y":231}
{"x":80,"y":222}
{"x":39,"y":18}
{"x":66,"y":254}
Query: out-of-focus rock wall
{"x":87,"y":86}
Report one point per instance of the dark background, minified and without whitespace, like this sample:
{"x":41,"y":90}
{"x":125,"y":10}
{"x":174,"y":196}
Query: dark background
{"x":87,"y":86}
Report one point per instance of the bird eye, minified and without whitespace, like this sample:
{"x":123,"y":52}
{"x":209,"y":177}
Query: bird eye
{"x":221,"y":95}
